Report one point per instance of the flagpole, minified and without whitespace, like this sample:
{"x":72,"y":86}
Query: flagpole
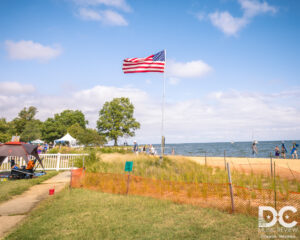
{"x":163,"y":110}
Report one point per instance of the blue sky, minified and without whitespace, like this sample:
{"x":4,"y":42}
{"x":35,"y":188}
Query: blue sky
{"x":232,"y":65}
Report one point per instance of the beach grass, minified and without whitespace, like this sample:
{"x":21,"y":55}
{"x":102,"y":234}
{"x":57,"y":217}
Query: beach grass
{"x":181,"y":169}
{"x":10,"y":188}
{"x":86,"y":214}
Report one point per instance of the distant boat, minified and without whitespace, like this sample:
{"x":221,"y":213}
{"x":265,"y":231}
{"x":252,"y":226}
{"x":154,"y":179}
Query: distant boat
{"x":232,"y":142}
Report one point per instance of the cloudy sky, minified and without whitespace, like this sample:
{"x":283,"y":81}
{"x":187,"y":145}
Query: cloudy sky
{"x":232,"y":65}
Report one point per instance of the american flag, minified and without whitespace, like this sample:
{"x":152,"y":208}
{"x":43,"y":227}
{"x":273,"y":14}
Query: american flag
{"x":153,"y":63}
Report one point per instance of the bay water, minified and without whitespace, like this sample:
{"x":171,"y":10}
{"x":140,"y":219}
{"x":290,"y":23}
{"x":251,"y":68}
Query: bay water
{"x":232,"y":149}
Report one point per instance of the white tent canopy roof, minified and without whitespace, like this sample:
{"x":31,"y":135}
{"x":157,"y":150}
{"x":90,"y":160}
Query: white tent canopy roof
{"x":67,"y":138}
{"x":37,"y":141}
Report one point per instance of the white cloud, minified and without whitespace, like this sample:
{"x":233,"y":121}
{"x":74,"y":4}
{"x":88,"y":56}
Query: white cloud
{"x":88,"y":14}
{"x":190,"y":69}
{"x":28,"y":50}
{"x":219,"y":116}
{"x":174,"y":81}
{"x":227,"y":23}
{"x":231,"y":25}
{"x":114,"y":18}
{"x":107,"y":17}
{"x":15,"y":88}
{"x":120,"y":4}
{"x":253,"y":7}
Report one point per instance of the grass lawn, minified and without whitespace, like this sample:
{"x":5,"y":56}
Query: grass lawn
{"x":10,"y":188}
{"x":86,"y":214}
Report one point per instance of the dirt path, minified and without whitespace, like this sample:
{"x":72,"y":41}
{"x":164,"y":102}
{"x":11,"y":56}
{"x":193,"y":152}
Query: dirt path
{"x":16,"y":209}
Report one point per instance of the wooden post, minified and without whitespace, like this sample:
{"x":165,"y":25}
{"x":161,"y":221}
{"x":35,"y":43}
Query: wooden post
{"x":128,"y":180}
{"x":230,"y":187}
{"x":225,"y":159}
{"x":271,"y":164}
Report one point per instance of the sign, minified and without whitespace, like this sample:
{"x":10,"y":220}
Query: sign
{"x":281,"y":220}
{"x":128,"y":166}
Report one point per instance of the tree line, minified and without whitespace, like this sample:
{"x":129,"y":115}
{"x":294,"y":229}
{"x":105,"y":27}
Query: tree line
{"x":115,"y":120}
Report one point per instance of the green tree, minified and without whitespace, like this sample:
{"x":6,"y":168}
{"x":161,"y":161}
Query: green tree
{"x":92,"y":137}
{"x":116,"y":119}
{"x":76,"y":130}
{"x":32,"y":131}
{"x":54,"y":128}
{"x":86,"y":136}
{"x":5,"y":135}
{"x":24,"y":116}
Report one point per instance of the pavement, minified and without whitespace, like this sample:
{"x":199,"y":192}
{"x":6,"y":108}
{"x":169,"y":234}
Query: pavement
{"x":13,"y":211}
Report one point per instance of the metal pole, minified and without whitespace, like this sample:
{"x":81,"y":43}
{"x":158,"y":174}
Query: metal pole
{"x":83,"y":168}
{"x":163,"y":111}
{"x":128,"y":180}
{"x":274,"y":186}
{"x":225,"y":159}
{"x":71,"y":174}
{"x":271,"y":164}
{"x":230,"y":187}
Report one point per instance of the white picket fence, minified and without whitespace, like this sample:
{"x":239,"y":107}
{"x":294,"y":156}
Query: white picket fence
{"x":56,"y":161}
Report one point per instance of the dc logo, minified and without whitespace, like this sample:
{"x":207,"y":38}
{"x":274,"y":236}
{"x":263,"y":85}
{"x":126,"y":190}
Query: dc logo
{"x":262,"y":223}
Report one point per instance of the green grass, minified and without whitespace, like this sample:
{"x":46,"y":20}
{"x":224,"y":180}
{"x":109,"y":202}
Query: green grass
{"x":86,"y":214}
{"x":10,"y":188}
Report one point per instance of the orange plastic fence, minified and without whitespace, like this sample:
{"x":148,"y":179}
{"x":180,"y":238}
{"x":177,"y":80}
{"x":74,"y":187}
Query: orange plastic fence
{"x":203,"y":194}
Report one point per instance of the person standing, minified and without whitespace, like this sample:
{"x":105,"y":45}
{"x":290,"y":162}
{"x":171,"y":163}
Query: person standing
{"x":135,"y":147}
{"x":277,"y":152}
{"x":254,"y":149}
{"x":283,"y":150}
{"x":294,"y":151}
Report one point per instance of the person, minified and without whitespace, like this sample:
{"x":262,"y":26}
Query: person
{"x":254,"y":149}
{"x":30,"y":165}
{"x":40,"y":148}
{"x":144,"y":148}
{"x":283,"y":150}
{"x":173,"y":151}
{"x":277,"y":152}
{"x":135,"y":147}
{"x":151,"y":150}
{"x":294,"y":151}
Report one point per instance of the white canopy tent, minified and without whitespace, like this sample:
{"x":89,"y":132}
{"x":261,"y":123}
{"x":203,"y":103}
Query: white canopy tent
{"x":37,"y":141}
{"x":67,"y":139}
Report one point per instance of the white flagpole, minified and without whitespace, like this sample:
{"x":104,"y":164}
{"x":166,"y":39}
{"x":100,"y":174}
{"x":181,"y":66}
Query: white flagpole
{"x":163,"y":109}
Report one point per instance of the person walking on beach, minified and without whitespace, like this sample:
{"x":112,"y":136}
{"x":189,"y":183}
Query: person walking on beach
{"x":135,"y":147}
{"x":283,"y":150}
{"x":294,"y":151}
{"x":151,"y":150}
{"x":277,"y":152}
{"x":254,"y":149}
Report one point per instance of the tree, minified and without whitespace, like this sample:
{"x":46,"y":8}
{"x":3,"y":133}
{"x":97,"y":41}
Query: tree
{"x":5,"y":136}
{"x":24,"y":116}
{"x":116,"y":119}
{"x":32,"y":131}
{"x":86,"y":136}
{"x":92,"y":137}
{"x":54,"y":128}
